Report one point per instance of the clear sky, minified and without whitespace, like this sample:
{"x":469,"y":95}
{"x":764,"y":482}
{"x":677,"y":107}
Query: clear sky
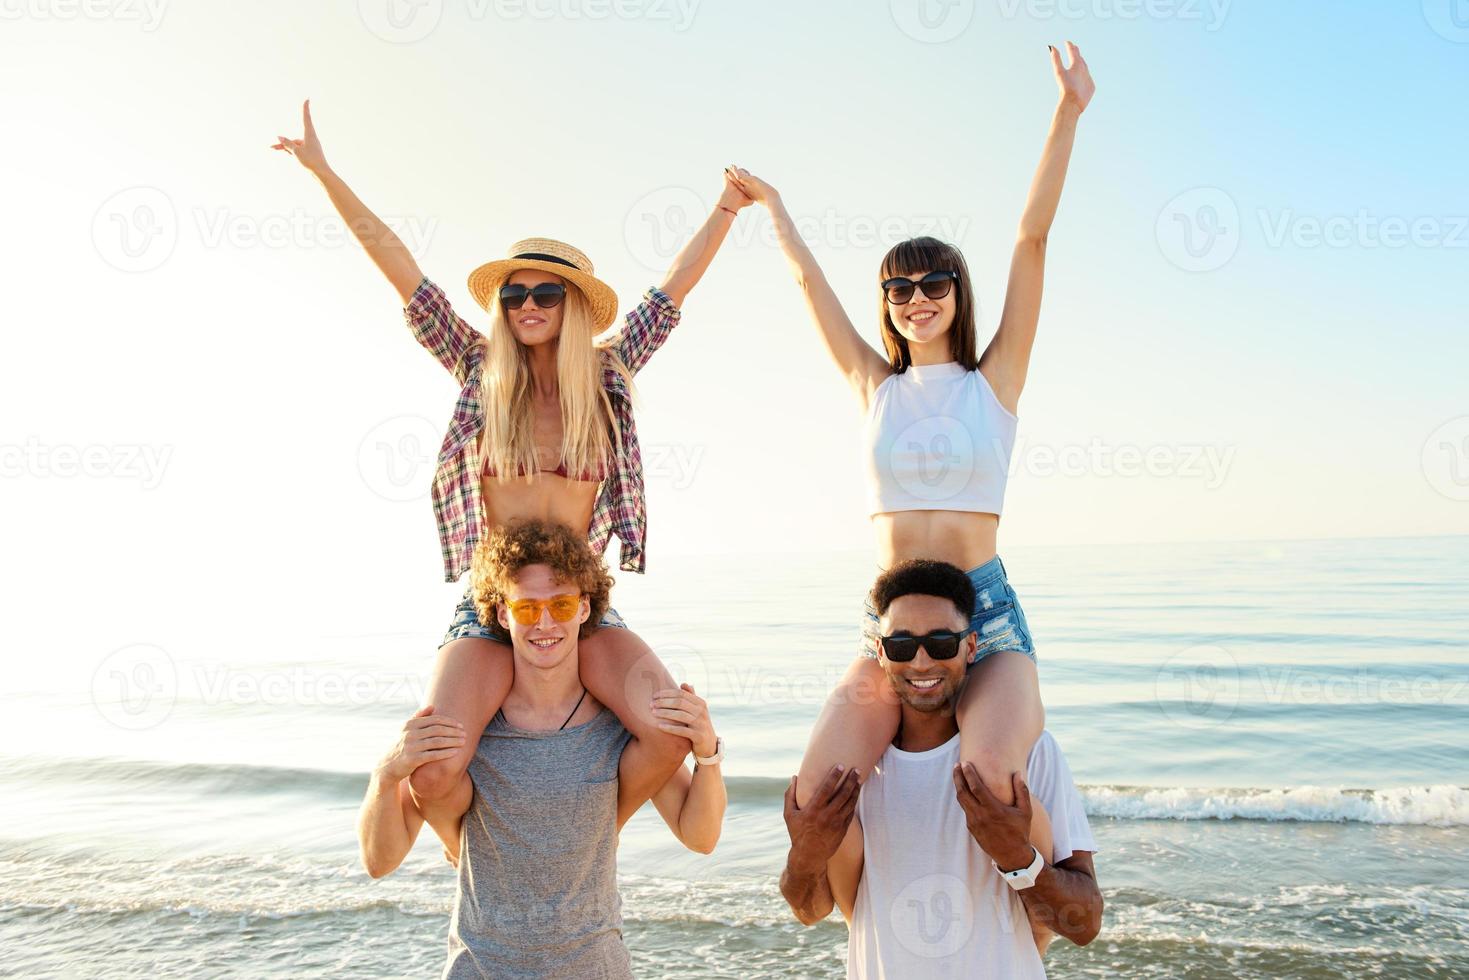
{"x":1254,"y":325}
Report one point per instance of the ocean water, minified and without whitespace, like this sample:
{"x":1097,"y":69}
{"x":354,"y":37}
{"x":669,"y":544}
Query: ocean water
{"x":1272,"y":740}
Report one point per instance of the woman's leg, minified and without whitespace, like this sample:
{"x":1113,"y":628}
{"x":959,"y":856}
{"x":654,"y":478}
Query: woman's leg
{"x":856,"y":725}
{"x":471,"y":678}
{"x":623,"y":672}
{"x":1000,"y":717}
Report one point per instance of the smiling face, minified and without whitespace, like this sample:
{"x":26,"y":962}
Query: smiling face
{"x":925,"y":684}
{"x":531,"y":324}
{"x":545,"y":644}
{"x":921,"y":320}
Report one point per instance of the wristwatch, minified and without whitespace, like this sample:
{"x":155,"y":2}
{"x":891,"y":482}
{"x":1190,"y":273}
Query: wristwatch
{"x":1022,"y":878}
{"x":714,"y":759}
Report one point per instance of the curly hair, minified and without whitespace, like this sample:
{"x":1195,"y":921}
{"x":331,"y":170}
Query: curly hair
{"x":500,"y":557}
{"x":922,"y":576}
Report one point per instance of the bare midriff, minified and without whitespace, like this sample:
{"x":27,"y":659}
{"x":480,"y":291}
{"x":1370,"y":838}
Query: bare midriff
{"x":960,"y":538}
{"x":541,"y":496}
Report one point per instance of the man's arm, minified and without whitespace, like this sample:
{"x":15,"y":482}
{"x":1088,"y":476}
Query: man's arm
{"x":389,"y":820}
{"x":817,"y":833}
{"x":640,"y":774}
{"x":1065,"y":897}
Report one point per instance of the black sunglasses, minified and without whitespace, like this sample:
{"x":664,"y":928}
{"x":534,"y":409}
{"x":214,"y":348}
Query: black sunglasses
{"x":935,"y":285}
{"x":546,"y":295}
{"x":940,"y":644}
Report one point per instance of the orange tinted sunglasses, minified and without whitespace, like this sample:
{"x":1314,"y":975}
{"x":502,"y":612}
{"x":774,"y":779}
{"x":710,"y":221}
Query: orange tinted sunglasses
{"x":564,"y":607}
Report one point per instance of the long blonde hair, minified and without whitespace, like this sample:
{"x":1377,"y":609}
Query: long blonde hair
{"x":589,"y":436}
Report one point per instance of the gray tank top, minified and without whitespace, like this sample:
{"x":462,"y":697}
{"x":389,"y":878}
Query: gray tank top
{"x":537,"y":890}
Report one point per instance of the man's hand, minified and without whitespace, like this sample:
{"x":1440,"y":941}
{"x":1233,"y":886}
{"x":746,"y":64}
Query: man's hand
{"x":425,"y":737}
{"x":1002,"y":832}
{"x":817,"y":831}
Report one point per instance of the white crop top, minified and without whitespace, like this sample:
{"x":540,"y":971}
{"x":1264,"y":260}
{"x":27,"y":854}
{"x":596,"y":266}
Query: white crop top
{"x":937,"y":438}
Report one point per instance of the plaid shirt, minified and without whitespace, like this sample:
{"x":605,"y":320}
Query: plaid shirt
{"x":621,"y":504}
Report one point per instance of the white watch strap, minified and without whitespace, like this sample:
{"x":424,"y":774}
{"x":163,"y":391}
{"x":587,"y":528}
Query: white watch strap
{"x":1022,"y":878}
{"x":714,"y":759}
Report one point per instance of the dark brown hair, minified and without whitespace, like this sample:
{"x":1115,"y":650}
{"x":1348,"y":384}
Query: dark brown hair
{"x":514,"y":546}
{"x":922,"y":576}
{"x":919,"y":255}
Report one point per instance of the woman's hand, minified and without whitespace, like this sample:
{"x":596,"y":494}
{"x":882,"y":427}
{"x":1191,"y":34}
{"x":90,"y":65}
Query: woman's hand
{"x":731,"y":196}
{"x":683,"y":712}
{"x":426,"y":737}
{"x":1077,"y":87}
{"x":308,"y":150}
{"x":753,"y":187}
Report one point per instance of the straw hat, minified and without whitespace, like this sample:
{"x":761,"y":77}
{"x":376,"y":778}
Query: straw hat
{"x":552,"y":256}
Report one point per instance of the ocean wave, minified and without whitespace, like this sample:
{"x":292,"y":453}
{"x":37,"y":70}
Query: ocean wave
{"x":1434,"y":806}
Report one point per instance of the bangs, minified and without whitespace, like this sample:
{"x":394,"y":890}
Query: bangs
{"x":921,"y":255}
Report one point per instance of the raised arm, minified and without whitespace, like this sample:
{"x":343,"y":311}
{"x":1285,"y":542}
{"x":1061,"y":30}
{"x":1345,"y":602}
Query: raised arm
{"x":692,"y":804}
{"x":862,"y":366}
{"x":389,"y":820}
{"x":382,"y":245}
{"x":693,"y":260}
{"x":1007,"y":358}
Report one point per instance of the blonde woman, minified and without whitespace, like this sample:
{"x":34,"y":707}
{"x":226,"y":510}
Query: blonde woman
{"x":940,"y":422}
{"x":543,"y":429}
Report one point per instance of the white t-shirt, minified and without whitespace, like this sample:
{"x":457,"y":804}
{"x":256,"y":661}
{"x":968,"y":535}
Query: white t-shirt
{"x":930,"y":903}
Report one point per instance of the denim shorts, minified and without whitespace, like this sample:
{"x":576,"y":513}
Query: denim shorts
{"x":466,"y":623}
{"x":998,"y":620}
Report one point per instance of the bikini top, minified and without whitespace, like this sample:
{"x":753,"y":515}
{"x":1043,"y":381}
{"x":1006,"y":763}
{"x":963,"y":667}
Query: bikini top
{"x":560,"y":470}
{"x":937,"y":438}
